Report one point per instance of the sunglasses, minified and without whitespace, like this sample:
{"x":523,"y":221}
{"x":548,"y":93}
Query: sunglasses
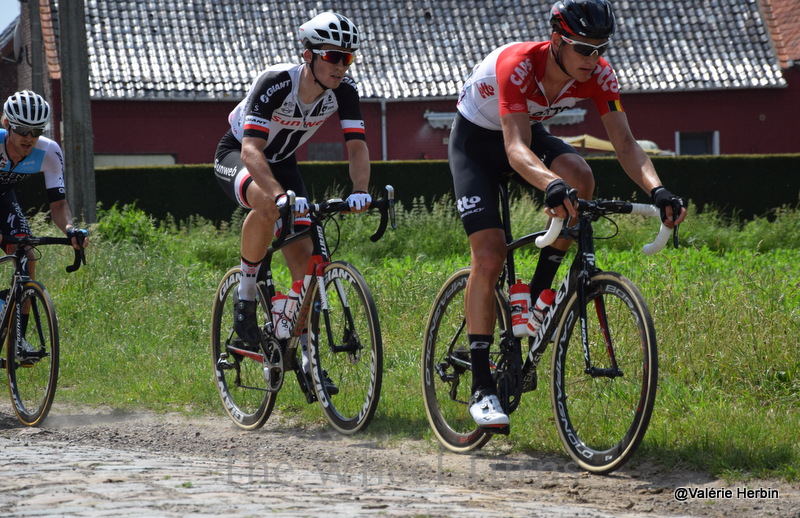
{"x":587,"y":49}
{"x":24,"y":131}
{"x":334,"y":56}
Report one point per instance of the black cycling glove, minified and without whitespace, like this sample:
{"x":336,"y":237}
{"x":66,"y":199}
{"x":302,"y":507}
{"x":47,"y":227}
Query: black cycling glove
{"x":557,"y":191}
{"x":80,"y":233}
{"x":662,"y":199}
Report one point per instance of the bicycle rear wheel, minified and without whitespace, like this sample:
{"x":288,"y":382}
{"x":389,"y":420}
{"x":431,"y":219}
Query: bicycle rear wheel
{"x":447,"y":369}
{"x":32,"y":362}
{"x":602,"y":412}
{"x":238,"y":372}
{"x":345,"y":345}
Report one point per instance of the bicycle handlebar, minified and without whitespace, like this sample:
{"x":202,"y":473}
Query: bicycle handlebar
{"x":385,"y":205}
{"x":80,"y":254}
{"x":601,"y":207}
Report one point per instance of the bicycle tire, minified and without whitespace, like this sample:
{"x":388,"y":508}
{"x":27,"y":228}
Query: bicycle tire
{"x":357,"y":368}
{"x":446,"y":370}
{"x":601,"y":420}
{"x":239,"y":379}
{"x":32,"y":383}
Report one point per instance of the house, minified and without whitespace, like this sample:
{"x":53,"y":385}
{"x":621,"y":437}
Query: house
{"x":715,"y":76}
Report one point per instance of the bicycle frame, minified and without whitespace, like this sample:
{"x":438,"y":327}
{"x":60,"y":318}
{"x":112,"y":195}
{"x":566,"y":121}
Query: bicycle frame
{"x":581,"y":270}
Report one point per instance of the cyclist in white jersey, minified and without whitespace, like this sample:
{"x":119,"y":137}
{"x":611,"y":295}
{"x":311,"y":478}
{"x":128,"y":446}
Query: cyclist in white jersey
{"x":24,"y":152}
{"x":255,"y":162}
{"x":498,"y":131}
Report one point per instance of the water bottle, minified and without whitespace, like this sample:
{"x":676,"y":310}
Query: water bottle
{"x":279,"y":323}
{"x":520,"y":306}
{"x":292,"y":300}
{"x":543,"y":303}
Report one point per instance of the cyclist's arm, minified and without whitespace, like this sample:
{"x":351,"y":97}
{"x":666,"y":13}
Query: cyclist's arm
{"x":62,"y":217}
{"x":358,"y":156}
{"x":631,"y":156}
{"x":517,"y":137}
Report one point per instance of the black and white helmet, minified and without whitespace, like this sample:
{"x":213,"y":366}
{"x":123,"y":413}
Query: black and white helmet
{"x":26,"y":108}
{"x":332,"y":29}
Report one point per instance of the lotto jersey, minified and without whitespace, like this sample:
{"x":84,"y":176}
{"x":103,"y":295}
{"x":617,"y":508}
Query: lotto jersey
{"x":46,"y":158}
{"x":271,"y":111}
{"x":508,"y":80}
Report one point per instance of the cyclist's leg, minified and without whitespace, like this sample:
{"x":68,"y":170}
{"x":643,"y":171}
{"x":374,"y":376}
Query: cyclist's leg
{"x":476,"y":157}
{"x":14,"y":223}
{"x":235,"y":180}
{"x":564,"y":160}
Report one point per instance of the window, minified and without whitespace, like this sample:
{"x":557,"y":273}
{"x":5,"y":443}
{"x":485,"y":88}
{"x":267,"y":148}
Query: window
{"x":697,"y":143}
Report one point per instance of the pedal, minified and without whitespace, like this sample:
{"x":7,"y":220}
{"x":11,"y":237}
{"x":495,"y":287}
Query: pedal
{"x":496,"y":430}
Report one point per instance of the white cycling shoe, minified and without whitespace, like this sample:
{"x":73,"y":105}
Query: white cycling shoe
{"x":485,"y":409}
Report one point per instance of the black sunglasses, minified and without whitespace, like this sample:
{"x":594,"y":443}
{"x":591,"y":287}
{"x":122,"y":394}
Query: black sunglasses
{"x":24,"y":131}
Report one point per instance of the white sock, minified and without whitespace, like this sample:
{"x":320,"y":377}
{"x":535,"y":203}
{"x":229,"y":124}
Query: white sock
{"x":247,"y":283}
{"x":304,"y":348}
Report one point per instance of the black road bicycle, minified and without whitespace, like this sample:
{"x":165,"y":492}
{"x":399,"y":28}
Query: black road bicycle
{"x":29,"y":329}
{"x":344,"y":336}
{"x":604,"y":363}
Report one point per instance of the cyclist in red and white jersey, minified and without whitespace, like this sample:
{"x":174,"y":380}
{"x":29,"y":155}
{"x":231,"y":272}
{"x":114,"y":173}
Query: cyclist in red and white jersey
{"x":255,"y":162}
{"x":498,"y":131}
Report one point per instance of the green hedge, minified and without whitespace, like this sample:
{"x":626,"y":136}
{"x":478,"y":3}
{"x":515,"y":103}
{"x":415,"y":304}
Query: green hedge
{"x":741,"y":185}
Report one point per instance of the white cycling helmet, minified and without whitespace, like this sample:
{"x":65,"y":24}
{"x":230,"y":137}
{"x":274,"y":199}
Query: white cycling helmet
{"x":26,"y":108}
{"x":330,"y":28}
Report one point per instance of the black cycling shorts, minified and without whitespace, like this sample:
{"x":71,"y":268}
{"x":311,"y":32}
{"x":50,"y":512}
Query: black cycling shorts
{"x":233,"y":176}
{"x":478,"y":163}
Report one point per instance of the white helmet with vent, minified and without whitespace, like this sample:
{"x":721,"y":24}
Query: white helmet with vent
{"x":26,"y":108}
{"x":332,"y":29}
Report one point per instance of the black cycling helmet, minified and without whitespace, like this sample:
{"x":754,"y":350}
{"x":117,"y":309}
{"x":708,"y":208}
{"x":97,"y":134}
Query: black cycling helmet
{"x":592,"y":19}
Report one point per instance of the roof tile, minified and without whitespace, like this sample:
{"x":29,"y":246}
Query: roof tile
{"x":212,"y":49}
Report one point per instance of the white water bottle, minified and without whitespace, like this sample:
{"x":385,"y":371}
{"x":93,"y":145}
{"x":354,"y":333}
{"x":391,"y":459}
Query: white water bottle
{"x":543,"y":303}
{"x":292,"y":300}
{"x":280,"y":325}
{"x":520,"y":300}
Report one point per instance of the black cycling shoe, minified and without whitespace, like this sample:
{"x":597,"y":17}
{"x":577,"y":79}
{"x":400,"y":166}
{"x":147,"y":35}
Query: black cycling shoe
{"x":244,"y":320}
{"x":330,"y":386}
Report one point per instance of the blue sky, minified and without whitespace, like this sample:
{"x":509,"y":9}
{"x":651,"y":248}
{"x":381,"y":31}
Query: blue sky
{"x":9,"y":9}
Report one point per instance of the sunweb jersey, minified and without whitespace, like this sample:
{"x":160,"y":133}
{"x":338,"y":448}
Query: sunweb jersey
{"x":46,"y":158}
{"x":509,"y":79}
{"x":272,"y":111}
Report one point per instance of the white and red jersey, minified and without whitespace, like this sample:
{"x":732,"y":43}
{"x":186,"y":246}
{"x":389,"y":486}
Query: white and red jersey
{"x":509,"y":79}
{"x":272,"y":111}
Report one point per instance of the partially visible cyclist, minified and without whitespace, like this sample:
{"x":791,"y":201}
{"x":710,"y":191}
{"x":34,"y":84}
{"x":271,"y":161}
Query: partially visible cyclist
{"x":25,"y":152}
{"x":255,"y":162}
{"x":498,"y":131}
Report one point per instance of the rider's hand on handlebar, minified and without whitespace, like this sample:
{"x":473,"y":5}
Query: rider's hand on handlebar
{"x":300,"y":204}
{"x":359,"y":201}
{"x":561,"y":200}
{"x":673,"y":208}
{"x":79,"y":237}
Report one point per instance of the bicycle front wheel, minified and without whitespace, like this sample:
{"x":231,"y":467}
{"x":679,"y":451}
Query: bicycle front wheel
{"x":32,"y":356}
{"x":238,"y":372}
{"x":346,"y":348}
{"x":447,"y":367}
{"x":603,"y":400}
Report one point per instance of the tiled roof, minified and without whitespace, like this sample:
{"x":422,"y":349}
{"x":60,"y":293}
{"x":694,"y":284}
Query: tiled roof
{"x":784,"y":18}
{"x":212,"y":49}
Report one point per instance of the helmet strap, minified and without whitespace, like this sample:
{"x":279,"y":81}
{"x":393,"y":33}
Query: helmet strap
{"x":313,"y":74}
{"x":557,"y":57}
